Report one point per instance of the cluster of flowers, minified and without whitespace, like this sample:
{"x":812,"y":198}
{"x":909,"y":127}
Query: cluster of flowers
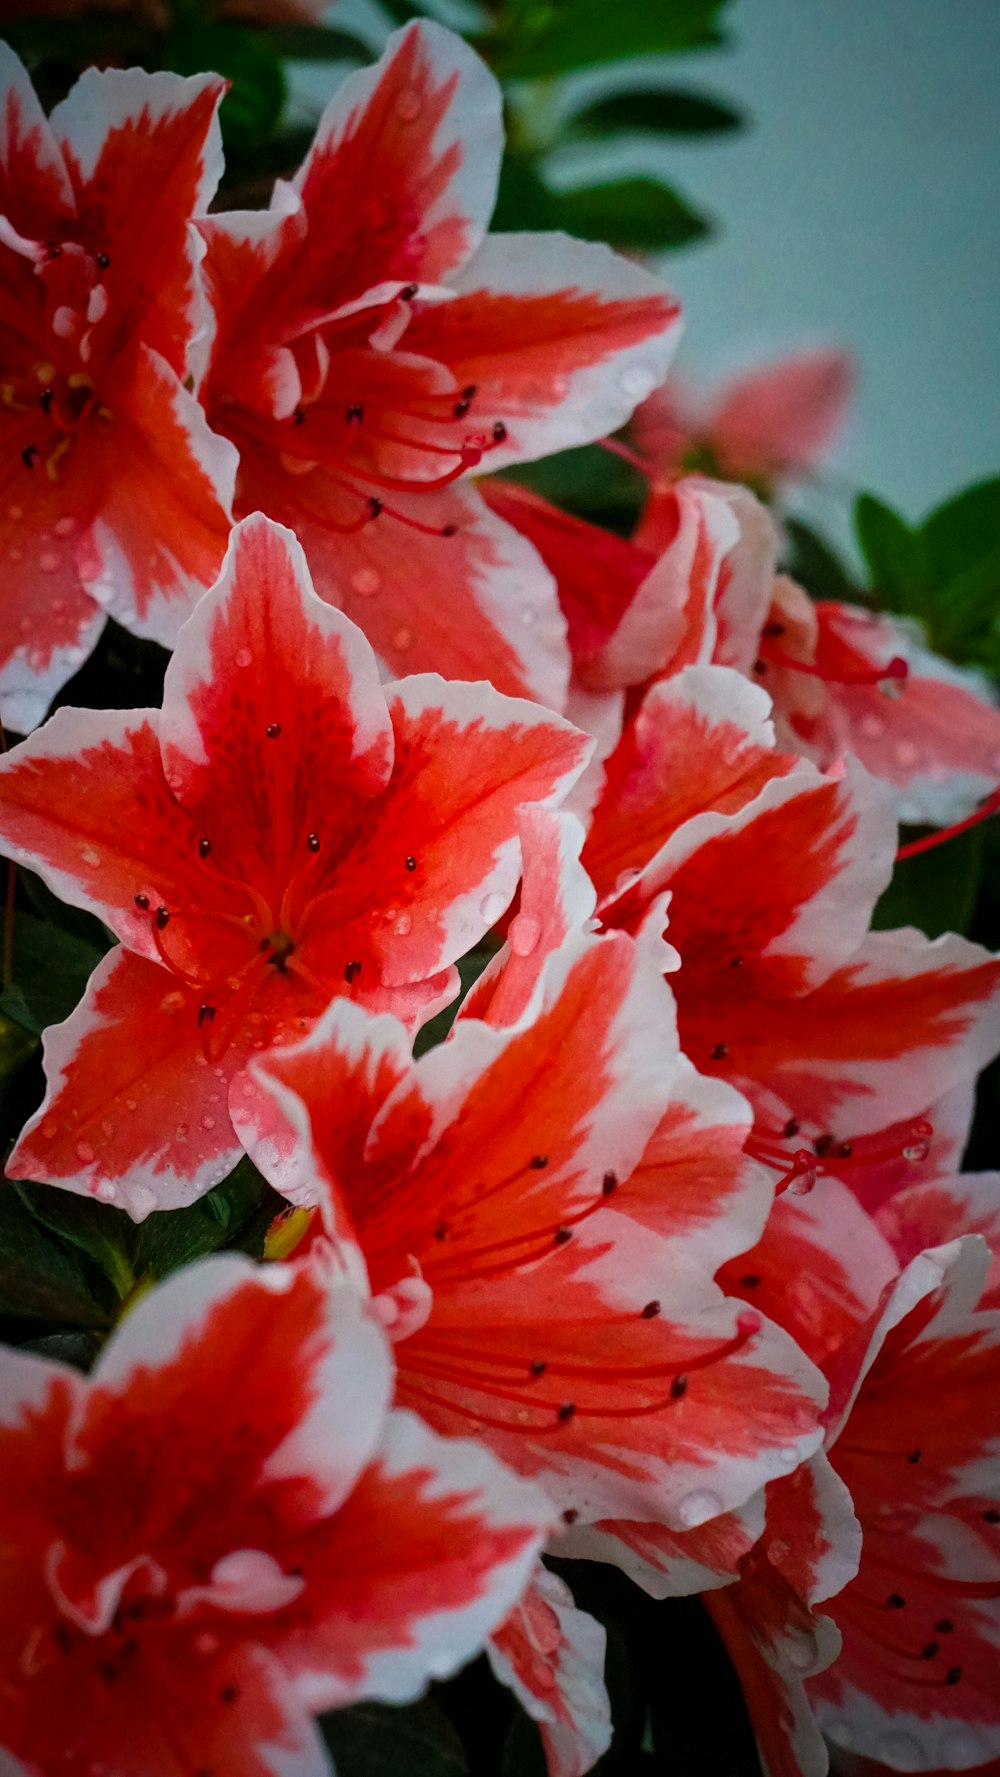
{"x":662,"y":1257}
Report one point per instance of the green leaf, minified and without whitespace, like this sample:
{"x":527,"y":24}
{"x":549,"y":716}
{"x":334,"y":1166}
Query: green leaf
{"x":51,"y":968}
{"x":664,"y":111}
{"x":538,"y":38}
{"x":104,"y":1234}
{"x":815,"y":564}
{"x":890,"y":550}
{"x":253,"y":105}
{"x":962,"y":532}
{"x":225,"y":1217}
{"x":937,"y":890}
{"x":318,"y":43}
{"x":39,"y":1278}
{"x":378,"y":1740}
{"x":636,"y":212}
{"x":588,"y":481}
{"x":523,"y":198}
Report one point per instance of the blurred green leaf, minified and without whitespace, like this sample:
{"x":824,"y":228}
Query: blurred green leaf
{"x":812,"y":561}
{"x":379,"y":1740}
{"x":636,"y":212}
{"x":106,"y":1235}
{"x":250,"y":60}
{"x":588,"y":481}
{"x":51,"y":968}
{"x":653,"y":110}
{"x":537,"y":38}
{"x":40,"y":1279}
{"x":889,"y":548}
{"x":225,"y":1217}
{"x":318,"y":43}
{"x":937,"y":890}
{"x":523,"y":198}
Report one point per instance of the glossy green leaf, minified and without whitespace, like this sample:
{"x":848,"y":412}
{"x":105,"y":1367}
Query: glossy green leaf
{"x":105,"y":1234}
{"x":653,"y":111}
{"x":588,"y":481}
{"x":890,"y":550}
{"x":378,"y":1740}
{"x":237,"y":1213}
{"x":937,"y":890}
{"x":40,"y":1278}
{"x":538,"y":38}
{"x":318,"y":43}
{"x":636,"y":212}
{"x":523,"y":198}
{"x":249,"y":59}
{"x":50,"y":970}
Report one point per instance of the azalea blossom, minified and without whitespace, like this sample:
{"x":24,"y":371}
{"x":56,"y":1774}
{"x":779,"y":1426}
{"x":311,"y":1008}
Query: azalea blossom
{"x":225,"y":1530}
{"x":372,"y":347}
{"x":282,"y":832}
{"x":116,"y":495}
{"x":508,"y":1198}
{"x":761,"y":427}
{"x":551,"y":1654}
{"x":840,"y":1037}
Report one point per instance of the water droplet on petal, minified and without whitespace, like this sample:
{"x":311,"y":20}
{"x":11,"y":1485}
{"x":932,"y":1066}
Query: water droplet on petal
{"x":402,"y":639}
{"x":366,"y":582}
{"x":181,"y":1132}
{"x":58,"y":606}
{"x":64,"y":527}
{"x":625,"y":879}
{"x":16,"y":554}
{"x":15,"y":512}
{"x":872,"y":727}
{"x":698,"y":1507}
{"x":524,"y":934}
{"x":84,"y":1152}
{"x":105,"y":1191}
{"x":90,"y":856}
{"x":409,"y":105}
{"x":50,"y":1130}
{"x":142,"y":1200}
{"x":637,"y":382}
{"x":48,"y":562}
{"x":244,"y":657}
{"x":404,"y":925}
{"x":529,"y":615}
{"x":208,"y":1122}
{"x":907,"y":754}
{"x":130,"y":1104}
{"x":491,"y":907}
{"x":107,"y":1126}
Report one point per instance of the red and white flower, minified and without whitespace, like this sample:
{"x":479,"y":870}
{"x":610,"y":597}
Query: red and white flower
{"x":551,"y":1654}
{"x":283,"y":832}
{"x":115,"y":495}
{"x":372,"y":347}
{"x":225,"y":1530}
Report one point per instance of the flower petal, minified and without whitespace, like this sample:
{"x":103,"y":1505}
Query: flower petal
{"x":561,"y":338}
{"x":782,"y":416}
{"x":130,"y":1049}
{"x":552,"y":1656}
{"x":36,"y":196}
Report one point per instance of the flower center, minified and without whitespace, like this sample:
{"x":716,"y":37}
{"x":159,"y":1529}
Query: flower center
{"x":63,"y":402}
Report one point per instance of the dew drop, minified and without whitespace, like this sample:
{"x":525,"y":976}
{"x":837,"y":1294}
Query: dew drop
{"x":58,"y":606}
{"x":917,"y":1150}
{"x":624,"y":880}
{"x":90,"y":856}
{"x":16,"y":554}
{"x":208,"y":1122}
{"x":131,"y":1105}
{"x":529,"y":615}
{"x":872,"y":727}
{"x":366,"y":582}
{"x":142,"y":1201}
{"x":698,"y":1507}
{"x":402,"y":639}
{"x":15,"y":512}
{"x":84,"y":1152}
{"x":105,"y":1191}
{"x":409,"y":105}
{"x":26,"y":626}
{"x":50,"y":1130}
{"x":108,"y":1126}
{"x":181,"y":1132}
{"x":524,"y":934}
{"x":48,"y":562}
{"x":404,"y":925}
{"x":64,"y":527}
{"x":637,"y":382}
{"x":902,"y":1751}
{"x":244,"y":657}
{"x":491,"y":907}
{"x":907,"y":754}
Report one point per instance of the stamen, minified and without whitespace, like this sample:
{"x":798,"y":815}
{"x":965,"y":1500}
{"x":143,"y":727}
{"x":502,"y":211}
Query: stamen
{"x":987,"y":807}
{"x":894,"y":669}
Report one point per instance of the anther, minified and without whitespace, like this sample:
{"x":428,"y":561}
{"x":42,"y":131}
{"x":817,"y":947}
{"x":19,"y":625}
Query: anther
{"x":566,"y":1411}
{"x":751,"y":1281}
{"x":355,"y":414}
{"x":205,"y":1015}
{"x":945,"y":1626}
{"x":460,"y":409}
{"x":350,"y":970}
{"x":411,"y":863}
{"x":650,"y":1311}
{"x":823,"y":1144}
{"x":896,"y":1601}
{"x":538,"y":1162}
{"x":953,"y":1675}
{"x":609,"y":1184}
{"x":844,"y":1150}
{"x":570,"y":1516}
{"x":273,"y":730}
{"x":720,"y":1052}
{"x":449,"y":530}
{"x":992,"y":1516}
{"x":103,"y":260}
{"x":162,"y":917}
{"x":932,"y":1649}
{"x":373,"y":508}
{"x":46,"y":399}
{"x":142,"y":902}
{"x":736,"y":962}
{"x":441,"y":1231}
{"x":774,"y":629}
{"x":299,"y":417}
{"x":914,"y":1457}
{"x":30,"y":455}
{"x":204,"y":847}
{"x":499,"y":431}
{"x":313,"y":842}
{"x":408,"y":292}
{"x":791,"y":1128}
{"x":678,"y":1388}
{"x":229,"y":1693}
{"x":538,"y":1366}
{"x":562,"y":1235}
{"x":470,"y":391}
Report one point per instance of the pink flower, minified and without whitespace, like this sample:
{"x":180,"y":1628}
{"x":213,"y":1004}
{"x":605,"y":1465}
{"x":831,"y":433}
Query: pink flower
{"x":224,"y":1531}
{"x":283,"y":832}
{"x":116,"y":495}
{"x":765,"y":425}
{"x":371,"y":348}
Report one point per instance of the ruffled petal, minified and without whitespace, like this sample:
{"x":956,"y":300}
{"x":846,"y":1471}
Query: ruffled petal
{"x":552,"y":1656}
